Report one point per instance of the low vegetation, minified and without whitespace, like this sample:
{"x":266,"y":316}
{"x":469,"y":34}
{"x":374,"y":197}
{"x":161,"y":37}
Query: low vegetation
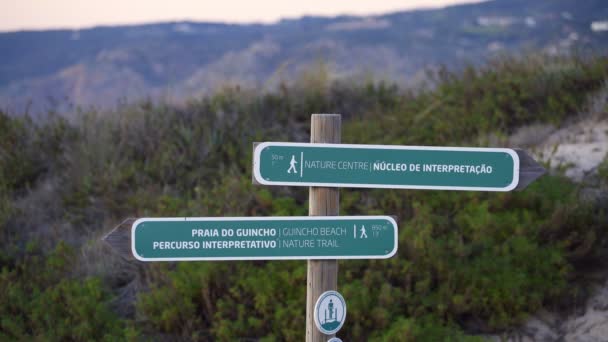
{"x":468,"y":262}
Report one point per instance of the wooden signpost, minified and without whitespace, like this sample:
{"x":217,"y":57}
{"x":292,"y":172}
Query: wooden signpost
{"x":322,"y":275}
{"x":324,"y":165}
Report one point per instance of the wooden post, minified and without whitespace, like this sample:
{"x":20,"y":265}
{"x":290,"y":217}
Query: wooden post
{"x":322,"y":274}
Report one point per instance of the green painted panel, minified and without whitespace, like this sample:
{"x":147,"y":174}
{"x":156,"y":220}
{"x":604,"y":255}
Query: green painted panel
{"x":380,"y":166}
{"x":266,"y":238}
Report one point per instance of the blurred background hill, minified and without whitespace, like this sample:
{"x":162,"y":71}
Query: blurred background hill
{"x":65,"y":69}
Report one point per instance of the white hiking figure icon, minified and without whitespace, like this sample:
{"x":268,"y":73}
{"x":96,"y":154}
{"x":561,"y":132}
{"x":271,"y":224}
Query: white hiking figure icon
{"x":363,"y":234}
{"x":292,"y":165}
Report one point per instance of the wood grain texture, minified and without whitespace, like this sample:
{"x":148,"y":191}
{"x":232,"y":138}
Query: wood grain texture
{"x":119,"y":239}
{"x":322,"y":275}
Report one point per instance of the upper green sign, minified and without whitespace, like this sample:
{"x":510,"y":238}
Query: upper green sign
{"x":385,"y":166}
{"x":264,"y":238}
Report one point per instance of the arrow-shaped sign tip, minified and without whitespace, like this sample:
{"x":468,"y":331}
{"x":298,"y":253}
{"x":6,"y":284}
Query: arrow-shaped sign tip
{"x":119,"y":239}
{"x":529,"y":169}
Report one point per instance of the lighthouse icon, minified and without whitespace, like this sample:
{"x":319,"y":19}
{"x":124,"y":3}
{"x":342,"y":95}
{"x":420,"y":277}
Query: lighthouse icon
{"x":330,"y":312}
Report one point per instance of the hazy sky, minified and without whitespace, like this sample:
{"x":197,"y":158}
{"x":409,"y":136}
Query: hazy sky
{"x":45,"y":14}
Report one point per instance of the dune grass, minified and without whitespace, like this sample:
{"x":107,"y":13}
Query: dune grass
{"x":468,"y":262}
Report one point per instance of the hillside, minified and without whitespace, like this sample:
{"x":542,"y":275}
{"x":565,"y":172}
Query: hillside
{"x":63,"y":69}
{"x":469,"y":264}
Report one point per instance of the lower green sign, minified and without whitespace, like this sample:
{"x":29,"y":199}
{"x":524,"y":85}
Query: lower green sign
{"x":264,"y":238}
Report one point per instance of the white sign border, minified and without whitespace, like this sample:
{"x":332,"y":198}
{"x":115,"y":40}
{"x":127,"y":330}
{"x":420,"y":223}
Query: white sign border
{"x":271,"y":218}
{"x":258,"y":177}
{"x":316,"y":312}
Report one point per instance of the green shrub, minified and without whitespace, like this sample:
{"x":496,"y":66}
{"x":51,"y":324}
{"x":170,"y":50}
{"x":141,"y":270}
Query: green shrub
{"x":37,"y":301}
{"x":497,"y":98}
{"x":423,"y":329}
{"x":17,"y":166}
{"x":468,"y":262}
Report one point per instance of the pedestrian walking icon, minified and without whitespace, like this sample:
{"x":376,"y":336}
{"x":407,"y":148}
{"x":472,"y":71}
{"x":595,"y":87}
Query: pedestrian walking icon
{"x":292,"y":165}
{"x":363,"y":233}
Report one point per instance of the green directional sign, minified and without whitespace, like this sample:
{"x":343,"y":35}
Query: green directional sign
{"x":385,"y":166}
{"x":264,"y":238}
